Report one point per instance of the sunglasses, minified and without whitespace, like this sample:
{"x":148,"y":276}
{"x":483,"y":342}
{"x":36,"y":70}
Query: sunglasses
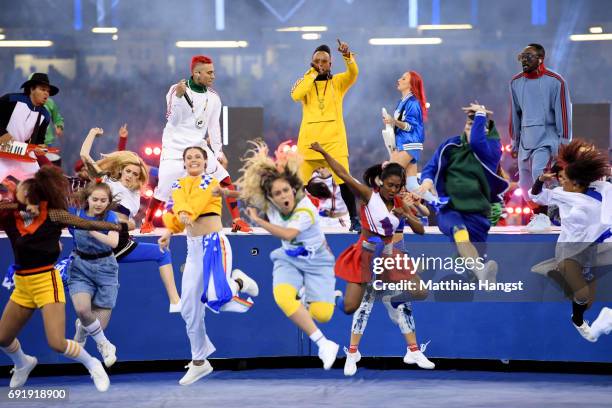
{"x":527,"y":56}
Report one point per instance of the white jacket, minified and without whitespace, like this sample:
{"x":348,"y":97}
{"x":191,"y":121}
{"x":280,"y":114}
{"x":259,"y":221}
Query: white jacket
{"x":181,"y":130}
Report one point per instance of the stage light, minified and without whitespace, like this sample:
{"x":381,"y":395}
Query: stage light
{"x":104,"y":30}
{"x":518,"y":210}
{"x":526,"y":210}
{"x":2,"y":36}
{"x":427,"y":105}
{"x":445,"y":27}
{"x":596,"y":30}
{"x":518,"y":192}
{"x":149,"y":193}
{"x":305,"y":28}
{"x":311,"y":36}
{"x":158,"y":213}
{"x":8,"y":44}
{"x":148,"y":151}
{"x":212,"y":44}
{"x":590,"y":37}
{"x":510,"y":210}
{"x":156,"y":151}
{"x":406,"y":41}
{"x":115,"y":37}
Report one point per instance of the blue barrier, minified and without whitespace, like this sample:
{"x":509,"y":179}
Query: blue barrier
{"x":142,"y":328}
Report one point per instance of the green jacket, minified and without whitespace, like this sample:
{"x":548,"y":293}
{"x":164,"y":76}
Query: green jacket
{"x":56,"y":118}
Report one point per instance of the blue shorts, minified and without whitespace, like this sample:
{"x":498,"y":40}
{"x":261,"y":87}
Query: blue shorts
{"x":315,"y":273}
{"x":98,"y":277}
{"x":476,"y":224}
{"x":146,"y":252}
{"x":411,"y":144}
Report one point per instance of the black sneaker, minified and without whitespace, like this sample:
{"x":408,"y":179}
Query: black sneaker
{"x":355,"y":225}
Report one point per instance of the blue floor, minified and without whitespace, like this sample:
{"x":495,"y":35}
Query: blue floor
{"x":293,"y":388}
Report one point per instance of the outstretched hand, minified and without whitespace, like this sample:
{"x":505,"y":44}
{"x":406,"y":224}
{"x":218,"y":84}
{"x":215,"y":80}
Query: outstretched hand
{"x":547,"y":177}
{"x":123,"y":132}
{"x":343,"y":48}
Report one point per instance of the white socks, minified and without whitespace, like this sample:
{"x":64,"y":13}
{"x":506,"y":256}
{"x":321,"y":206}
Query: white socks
{"x":318,"y":337}
{"x":78,"y":353}
{"x":95,"y":331}
{"x":16,"y":354}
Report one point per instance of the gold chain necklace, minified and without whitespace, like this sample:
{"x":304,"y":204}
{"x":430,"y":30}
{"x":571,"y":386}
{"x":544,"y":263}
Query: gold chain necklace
{"x":321,"y":100}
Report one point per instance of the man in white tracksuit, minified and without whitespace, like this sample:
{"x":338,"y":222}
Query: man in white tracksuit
{"x":193,"y":111}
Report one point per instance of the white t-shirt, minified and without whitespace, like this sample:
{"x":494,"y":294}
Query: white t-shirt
{"x":124,"y":196}
{"x":304,"y":218}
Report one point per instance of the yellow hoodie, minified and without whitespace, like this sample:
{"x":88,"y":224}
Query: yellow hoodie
{"x":326,"y":125}
{"x":192,"y":195}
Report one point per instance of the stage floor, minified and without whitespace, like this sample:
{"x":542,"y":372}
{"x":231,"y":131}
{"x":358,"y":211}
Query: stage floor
{"x":317,"y":388}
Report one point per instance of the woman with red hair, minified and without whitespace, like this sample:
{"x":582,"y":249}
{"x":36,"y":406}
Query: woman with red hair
{"x":407,"y":122}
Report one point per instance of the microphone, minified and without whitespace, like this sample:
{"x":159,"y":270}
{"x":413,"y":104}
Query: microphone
{"x":188,"y":100}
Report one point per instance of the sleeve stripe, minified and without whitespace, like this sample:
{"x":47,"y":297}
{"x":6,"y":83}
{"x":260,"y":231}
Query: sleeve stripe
{"x":169,"y":104}
{"x":563,"y":104}
{"x":307,"y":211}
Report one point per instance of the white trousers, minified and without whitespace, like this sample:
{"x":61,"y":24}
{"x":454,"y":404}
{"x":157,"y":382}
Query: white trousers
{"x":171,"y":170}
{"x":192,"y":286}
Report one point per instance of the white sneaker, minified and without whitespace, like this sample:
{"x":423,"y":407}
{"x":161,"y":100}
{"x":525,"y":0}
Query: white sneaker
{"x":249,"y":286}
{"x":108,"y":350}
{"x":538,"y":223}
{"x":585,"y":331}
{"x":488,"y":272}
{"x":327,"y":353}
{"x":603,"y":323}
{"x":99,"y":376}
{"x":20,"y":375}
{"x":80,"y":334}
{"x":176,"y":307}
{"x":194,"y":372}
{"x":418,"y":358}
{"x":350,"y":365}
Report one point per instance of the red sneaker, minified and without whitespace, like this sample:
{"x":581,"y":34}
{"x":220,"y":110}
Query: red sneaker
{"x":147,"y":228}
{"x":240,"y":225}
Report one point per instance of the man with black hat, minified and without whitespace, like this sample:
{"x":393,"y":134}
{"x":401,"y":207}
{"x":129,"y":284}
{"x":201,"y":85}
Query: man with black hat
{"x":23,"y":118}
{"x":321,"y":95}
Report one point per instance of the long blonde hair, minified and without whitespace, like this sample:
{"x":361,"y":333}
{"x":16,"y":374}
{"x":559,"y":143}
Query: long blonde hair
{"x":260,"y":171}
{"x":114,"y":163}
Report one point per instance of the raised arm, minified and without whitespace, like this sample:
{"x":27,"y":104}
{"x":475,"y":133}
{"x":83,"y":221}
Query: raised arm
{"x":487,"y":147}
{"x":347,"y":78}
{"x":90,"y":164}
{"x":176,"y":105}
{"x":123,"y":136}
{"x":362,"y":190}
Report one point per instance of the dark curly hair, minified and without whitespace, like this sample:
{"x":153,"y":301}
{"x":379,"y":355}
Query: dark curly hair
{"x":583,"y":162}
{"x":318,"y":189}
{"x":48,"y":184}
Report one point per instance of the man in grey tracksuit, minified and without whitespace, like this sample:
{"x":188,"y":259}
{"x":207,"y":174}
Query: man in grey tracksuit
{"x":541,"y":115}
